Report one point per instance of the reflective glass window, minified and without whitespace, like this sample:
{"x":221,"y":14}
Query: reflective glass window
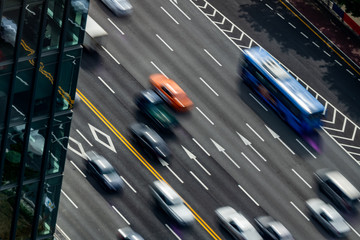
{"x":7,"y":201}
{"x":77,"y":19}
{"x":53,"y":24}
{"x":4,"y":89}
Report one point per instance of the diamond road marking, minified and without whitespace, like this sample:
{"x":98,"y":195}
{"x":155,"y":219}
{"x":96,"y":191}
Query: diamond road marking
{"x":81,"y":153}
{"x":109,"y":143}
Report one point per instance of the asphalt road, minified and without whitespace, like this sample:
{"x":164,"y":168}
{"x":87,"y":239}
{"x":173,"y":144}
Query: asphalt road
{"x":272,"y":175}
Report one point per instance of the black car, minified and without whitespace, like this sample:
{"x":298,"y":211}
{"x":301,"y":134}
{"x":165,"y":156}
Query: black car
{"x":102,"y":170}
{"x":154,"y":107}
{"x":150,"y":141}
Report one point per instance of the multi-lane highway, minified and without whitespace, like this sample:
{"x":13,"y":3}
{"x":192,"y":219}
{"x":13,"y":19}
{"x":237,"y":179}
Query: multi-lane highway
{"x":231,"y":149}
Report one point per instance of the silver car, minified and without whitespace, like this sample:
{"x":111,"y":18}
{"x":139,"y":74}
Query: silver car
{"x":328,"y":217}
{"x":272,"y":229}
{"x":236,"y":224}
{"x":119,"y":7}
{"x":127,"y":233}
{"x":171,"y":203}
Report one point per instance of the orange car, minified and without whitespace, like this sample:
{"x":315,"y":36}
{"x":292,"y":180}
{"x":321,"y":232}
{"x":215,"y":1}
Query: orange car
{"x":171,"y":92}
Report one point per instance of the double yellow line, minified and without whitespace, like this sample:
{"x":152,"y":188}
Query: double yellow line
{"x":141,"y":158}
{"x":352,"y":67}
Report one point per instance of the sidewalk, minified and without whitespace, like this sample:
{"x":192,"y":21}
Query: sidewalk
{"x":336,"y":31}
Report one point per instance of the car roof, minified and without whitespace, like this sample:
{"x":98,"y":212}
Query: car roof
{"x":151,"y":96}
{"x":279,"y":228}
{"x":241,"y":221}
{"x":168,"y":191}
{"x":341,"y":182}
{"x":329,"y":211}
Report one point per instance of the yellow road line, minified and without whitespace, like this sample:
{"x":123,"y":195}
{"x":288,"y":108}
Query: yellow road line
{"x":141,"y":158}
{"x":320,"y":37}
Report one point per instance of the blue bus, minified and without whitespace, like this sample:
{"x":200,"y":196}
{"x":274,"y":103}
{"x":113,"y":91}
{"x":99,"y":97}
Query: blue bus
{"x":294,"y":104}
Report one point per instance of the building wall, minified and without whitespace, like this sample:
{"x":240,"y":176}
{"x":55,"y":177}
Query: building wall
{"x":40,"y":52}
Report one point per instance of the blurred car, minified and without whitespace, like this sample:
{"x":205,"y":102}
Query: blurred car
{"x":119,"y":7}
{"x":171,"y":92}
{"x":272,"y":229}
{"x":154,"y":107}
{"x":166,"y":197}
{"x":127,"y":233}
{"x":338,"y":189}
{"x":328,"y":217}
{"x":150,"y":141}
{"x":236,"y":224}
{"x":103,"y":171}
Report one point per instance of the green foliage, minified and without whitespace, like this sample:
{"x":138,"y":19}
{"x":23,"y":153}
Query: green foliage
{"x":351,"y":6}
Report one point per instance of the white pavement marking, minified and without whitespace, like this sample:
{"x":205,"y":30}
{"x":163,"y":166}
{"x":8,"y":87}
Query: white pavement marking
{"x":300,"y":211}
{"x":128,"y":184}
{"x":209,"y":87}
{"x":353,"y":229}
{"x":105,"y":84}
{"x":306,"y":148}
{"x":110,"y":55}
{"x":205,"y":170}
{"x":174,"y":174}
{"x":280,"y":16}
{"x":201,"y":146}
{"x":169,"y":15}
{"x":248,"y":195}
{"x":164,"y":42}
{"x":269,"y":6}
{"x":326,"y":53}
{"x":109,"y":144}
{"x":212,"y":123}
{"x":315,"y":44}
{"x":221,"y":149}
{"x":115,"y":26}
{"x":258,"y":102}
{"x":291,"y":25}
{"x":213,"y":57}
{"x":250,"y":161}
{"x":199,"y":180}
{"x":84,"y":137}
{"x":301,"y":178}
{"x":71,"y":201}
{"x":158,"y":69}
{"x":77,"y":168}
{"x":117,"y":211}
{"x":181,"y":10}
{"x":288,"y":148}
{"x":338,"y":63}
{"x":173,"y":232}
{"x":254,"y":132}
{"x":248,"y":143}
{"x":193,"y":157}
{"x":304,"y":35}
{"x":349,"y":72}
{"x":276,"y":136}
{"x":62,"y":232}
{"x":82,"y":151}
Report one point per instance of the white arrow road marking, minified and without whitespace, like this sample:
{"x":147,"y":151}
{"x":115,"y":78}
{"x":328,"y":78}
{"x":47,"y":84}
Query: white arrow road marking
{"x":221,"y":149}
{"x":274,"y":134}
{"x":192,"y":156}
{"x":248,"y":143}
{"x":165,"y":164}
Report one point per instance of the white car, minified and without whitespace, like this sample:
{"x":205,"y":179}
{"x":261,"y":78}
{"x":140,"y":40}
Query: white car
{"x":171,"y":203}
{"x":119,"y":7}
{"x":236,"y":224}
{"x":328,"y":217}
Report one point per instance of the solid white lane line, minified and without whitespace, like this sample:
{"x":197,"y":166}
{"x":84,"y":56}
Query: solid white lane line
{"x":62,"y":232}
{"x":181,"y":10}
{"x":169,"y":15}
{"x":280,"y":16}
{"x":307,"y":184}
{"x":338,"y":63}
{"x":349,"y":72}
{"x":269,"y":6}
{"x":300,"y":211}
{"x":254,"y":132}
{"x":208,"y":173}
{"x":174,"y":174}
{"x":110,"y":55}
{"x":326,"y":53}
{"x":199,"y":180}
{"x":291,"y":25}
{"x":205,"y":116}
{"x":248,"y":195}
{"x":252,"y":147}
{"x":71,"y":201}
{"x":213,"y":57}
{"x":250,"y":161}
{"x":158,"y":69}
{"x":304,"y":35}
{"x":353,"y":229}
{"x":105,"y":84}
{"x":258,"y":101}
{"x":128,"y":184}
{"x":116,"y":26}
{"x":84,"y":137}
{"x":173,"y":232}
{"x":201,"y":146}
{"x":164,"y":42}
{"x":306,"y":148}
{"x":117,"y":211}
{"x":209,"y":87}
{"x":315,"y":44}
{"x":78,"y":168}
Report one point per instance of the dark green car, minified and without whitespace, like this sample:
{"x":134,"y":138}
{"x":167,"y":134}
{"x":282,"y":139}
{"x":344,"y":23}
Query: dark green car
{"x":154,"y":107}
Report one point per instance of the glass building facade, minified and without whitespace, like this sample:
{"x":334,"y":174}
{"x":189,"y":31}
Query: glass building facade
{"x":40,"y":52}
